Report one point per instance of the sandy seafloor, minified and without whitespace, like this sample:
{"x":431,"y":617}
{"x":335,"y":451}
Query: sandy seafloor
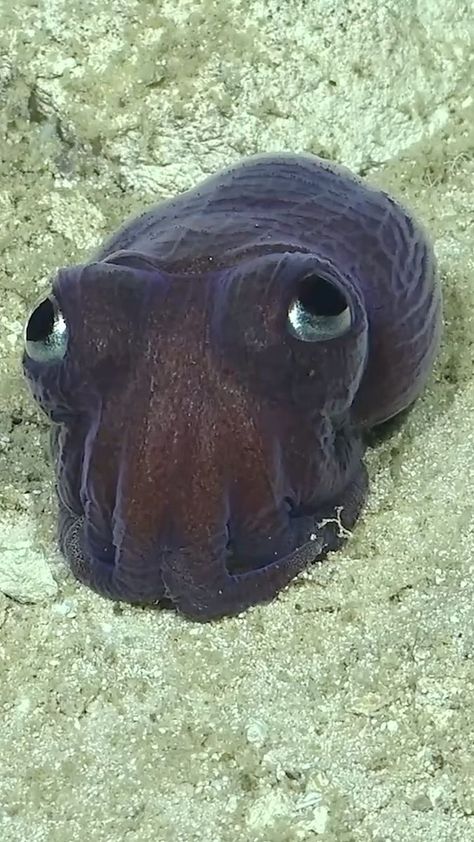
{"x":344,"y":710}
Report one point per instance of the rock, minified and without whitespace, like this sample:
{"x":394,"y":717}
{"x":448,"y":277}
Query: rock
{"x":24,"y":572}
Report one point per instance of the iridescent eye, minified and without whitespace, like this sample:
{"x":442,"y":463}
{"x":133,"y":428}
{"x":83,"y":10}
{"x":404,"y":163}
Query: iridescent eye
{"x":46,"y":333}
{"x":319,"y":311}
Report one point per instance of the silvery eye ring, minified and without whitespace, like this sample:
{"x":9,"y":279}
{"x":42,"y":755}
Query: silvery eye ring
{"x":319,"y":312}
{"x":46,"y":333}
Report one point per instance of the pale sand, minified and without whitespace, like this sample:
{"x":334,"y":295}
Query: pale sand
{"x":344,"y":710}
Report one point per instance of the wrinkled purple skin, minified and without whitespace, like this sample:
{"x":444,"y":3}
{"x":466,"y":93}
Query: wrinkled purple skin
{"x":199,"y":446}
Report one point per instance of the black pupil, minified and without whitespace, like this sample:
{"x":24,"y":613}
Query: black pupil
{"x":41,"y":322}
{"x":320,"y":297}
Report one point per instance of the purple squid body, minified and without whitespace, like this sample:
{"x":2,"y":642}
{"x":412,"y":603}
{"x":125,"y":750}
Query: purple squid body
{"x":211,"y":372}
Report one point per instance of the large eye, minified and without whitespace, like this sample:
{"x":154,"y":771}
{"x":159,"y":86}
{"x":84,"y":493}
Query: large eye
{"x":319,"y":311}
{"x":46,"y":333}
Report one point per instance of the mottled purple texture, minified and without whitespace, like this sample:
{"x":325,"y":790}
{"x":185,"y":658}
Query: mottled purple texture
{"x":198,"y":444}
